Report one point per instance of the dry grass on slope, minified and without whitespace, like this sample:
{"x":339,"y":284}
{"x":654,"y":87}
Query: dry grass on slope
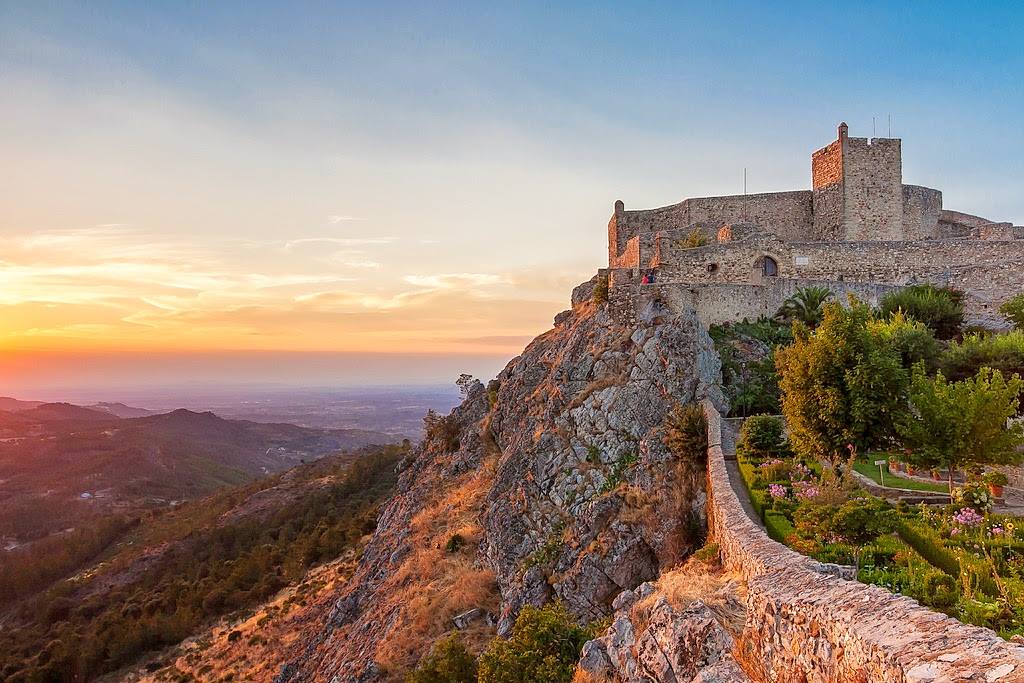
{"x":436,"y":583}
{"x":722,"y":592}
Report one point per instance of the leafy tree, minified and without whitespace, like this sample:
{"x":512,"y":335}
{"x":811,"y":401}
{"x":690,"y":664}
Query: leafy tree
{"x":1013,"y":310}
{"x":912,"y":339}
{"x":1003,"y":352}
{"x":957,"y":424}
{"x":941,"y":309}
{"x":842,"y":385}
{"x":805,"y":306}
{"x":545,"y":646}
{"x":448,"y":662}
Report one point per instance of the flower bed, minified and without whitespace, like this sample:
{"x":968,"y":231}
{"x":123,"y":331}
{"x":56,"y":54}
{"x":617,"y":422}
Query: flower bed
{"x":959,"y":559}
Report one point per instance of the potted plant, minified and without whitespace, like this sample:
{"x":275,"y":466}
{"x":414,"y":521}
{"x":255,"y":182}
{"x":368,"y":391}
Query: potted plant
{"x":936,"y":475}
{"x":894,"y":464}
{"x":996,"y":480}
{"x":911,"y":469}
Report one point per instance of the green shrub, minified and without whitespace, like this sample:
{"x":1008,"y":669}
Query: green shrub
{"x":695,"y":238}
{"x":777,"y":526}
{"x":686,"y":432}
{"x":448,"y":662}
{"x":761,"y":436}
{"x":929,"y":546}
{"x":940,"y":309}
{"x":1013,"y":310}
{"x":601,"y":290}
{"x":708,"y":554}
{"x":544,"y":646}
{"x":441,"y":430}
{"x":454,"y":543}
{"x":912,"y":339}
{"x":1003,"y":352}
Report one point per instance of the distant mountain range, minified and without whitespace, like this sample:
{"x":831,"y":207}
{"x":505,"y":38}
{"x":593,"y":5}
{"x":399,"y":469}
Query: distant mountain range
{"x":61,"y":463}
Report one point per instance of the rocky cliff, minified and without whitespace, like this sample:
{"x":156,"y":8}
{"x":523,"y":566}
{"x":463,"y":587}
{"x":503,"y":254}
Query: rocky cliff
{"x":551,"y":482}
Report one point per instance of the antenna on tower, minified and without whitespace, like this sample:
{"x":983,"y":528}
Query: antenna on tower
{"x":890,"y":124}
{"x":873,"y":127}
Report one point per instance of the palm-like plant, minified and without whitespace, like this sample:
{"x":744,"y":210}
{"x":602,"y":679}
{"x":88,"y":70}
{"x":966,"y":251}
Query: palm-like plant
{"x":806,"y":305}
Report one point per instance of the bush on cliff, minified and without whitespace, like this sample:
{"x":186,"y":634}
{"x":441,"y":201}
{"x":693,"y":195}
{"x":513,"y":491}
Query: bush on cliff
{"x":686,"y":432}
{"x":545,"y":646}
{"x":843,"y":385}
{"x":940,"y":309}
{"x":448,"y":662}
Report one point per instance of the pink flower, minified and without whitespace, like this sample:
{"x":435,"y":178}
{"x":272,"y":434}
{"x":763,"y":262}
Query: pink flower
{"x":968,"y":517}
{"x":777,"y":491}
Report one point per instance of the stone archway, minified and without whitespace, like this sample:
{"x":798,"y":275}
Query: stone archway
{"x":764,"y":267}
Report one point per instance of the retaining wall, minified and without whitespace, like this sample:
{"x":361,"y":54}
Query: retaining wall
{"x":804,"y":624}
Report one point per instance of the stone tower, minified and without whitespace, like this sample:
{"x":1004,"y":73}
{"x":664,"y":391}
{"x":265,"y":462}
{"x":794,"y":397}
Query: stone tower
{"x":857,"y":186}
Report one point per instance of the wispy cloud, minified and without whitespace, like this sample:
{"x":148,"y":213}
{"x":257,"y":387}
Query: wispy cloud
{"x":456,"y":280}
{"x":341,"y":218}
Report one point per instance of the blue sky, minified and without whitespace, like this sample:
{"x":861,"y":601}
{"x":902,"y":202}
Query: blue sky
{"x":413,"y":177}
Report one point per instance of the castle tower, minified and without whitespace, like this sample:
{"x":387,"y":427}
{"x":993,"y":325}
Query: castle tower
{"x":857,"y":186}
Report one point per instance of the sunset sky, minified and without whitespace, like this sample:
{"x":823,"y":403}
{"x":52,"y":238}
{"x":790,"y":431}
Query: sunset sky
{"x":387,"y":192}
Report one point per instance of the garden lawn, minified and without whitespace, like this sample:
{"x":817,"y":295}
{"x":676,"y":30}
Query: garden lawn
{"x":870,"y":470}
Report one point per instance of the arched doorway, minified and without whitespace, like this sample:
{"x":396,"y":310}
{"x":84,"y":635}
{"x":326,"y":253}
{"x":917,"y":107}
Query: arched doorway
{"x":764,"y":267}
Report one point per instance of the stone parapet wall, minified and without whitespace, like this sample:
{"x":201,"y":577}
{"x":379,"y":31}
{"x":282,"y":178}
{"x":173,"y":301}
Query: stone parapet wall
{"x":724,"y":303}
{"x":788,"y":214}
{"x":988,"y":271}
{"x":805,"y":624}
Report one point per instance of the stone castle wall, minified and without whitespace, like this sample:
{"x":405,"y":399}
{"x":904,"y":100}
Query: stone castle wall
{"x":872,"y":189}
{"x":805,"y":624}
{"x":788,"y":213}
{"x":987,"y":271}
{"x":921,"y":209}
{"x":827,"y":184}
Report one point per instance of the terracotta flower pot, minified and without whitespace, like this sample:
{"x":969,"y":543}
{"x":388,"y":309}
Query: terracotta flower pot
{"x":996,"y":490}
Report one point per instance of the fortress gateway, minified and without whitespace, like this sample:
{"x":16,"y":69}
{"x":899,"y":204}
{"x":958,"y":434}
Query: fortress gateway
{"x":858,"y":230}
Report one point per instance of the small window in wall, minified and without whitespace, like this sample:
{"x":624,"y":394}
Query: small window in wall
{"x":712,"y":268}
{"x":769,"y":267}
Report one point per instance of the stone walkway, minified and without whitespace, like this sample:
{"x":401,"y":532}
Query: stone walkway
{"x":729,"y":434}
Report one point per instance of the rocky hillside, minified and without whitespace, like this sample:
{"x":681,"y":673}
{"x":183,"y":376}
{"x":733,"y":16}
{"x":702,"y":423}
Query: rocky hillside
{"x":551,"y":482}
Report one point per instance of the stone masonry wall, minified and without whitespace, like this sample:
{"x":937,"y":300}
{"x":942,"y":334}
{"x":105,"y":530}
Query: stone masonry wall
{"x":722,"y":303}
{"x":827,"y":184}
{"x":921,"y":209}
{"x":987,"y":271}
{"x":872,"y":189}
{"x":787,"y":213}
{"x":805,"y":624}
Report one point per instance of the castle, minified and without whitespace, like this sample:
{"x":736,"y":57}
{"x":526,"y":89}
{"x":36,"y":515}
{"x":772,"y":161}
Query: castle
{"x":858,"y":230}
